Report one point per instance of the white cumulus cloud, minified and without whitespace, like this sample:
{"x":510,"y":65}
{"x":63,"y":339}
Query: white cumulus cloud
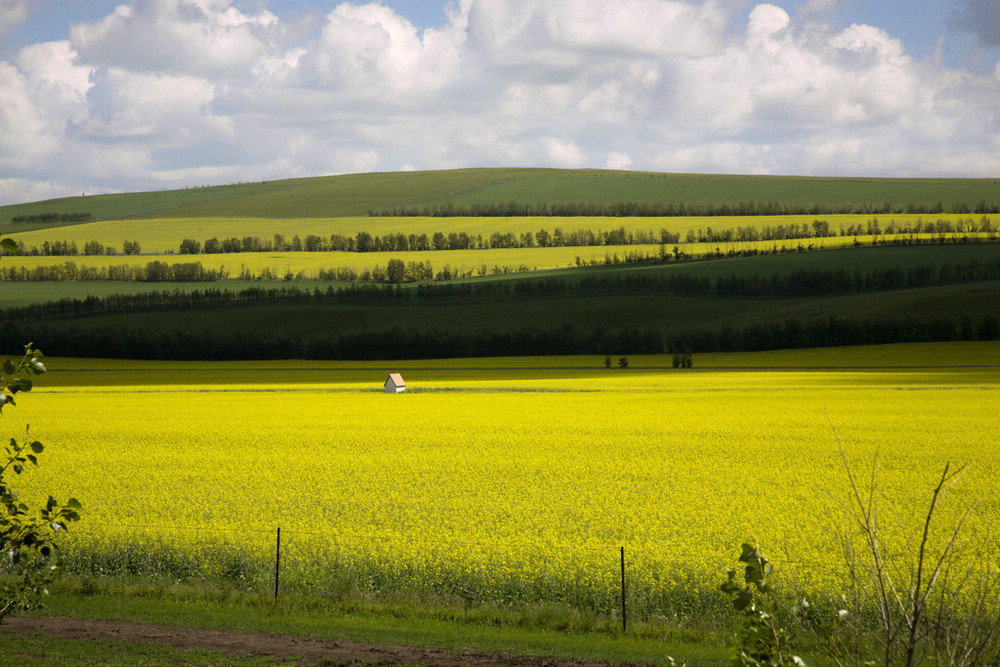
{"x":182,"y":36}
{"x":168,"y":93}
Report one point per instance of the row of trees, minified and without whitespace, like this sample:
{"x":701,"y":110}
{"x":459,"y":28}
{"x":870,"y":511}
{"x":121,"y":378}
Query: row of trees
{"x":821,"y":229}
{"x":398,"y":343}
{"x":52,"y":216}
{"x":364,"y":241}
{"x":668,"y":209}
{"x":70,"y":248}
{"x":396,"y":271}
{"x":153,"y":272}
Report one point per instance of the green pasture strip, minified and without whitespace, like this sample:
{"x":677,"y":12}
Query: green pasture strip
{"x":357,"y":194}
{"x":130,"y":204}
{"x":550,"y":632}
{"x":23,"y":293}
{"x":964,"y":353}
{"x":647,"y":187}
{"x":164,"y":235}
{"x":955,"y":363}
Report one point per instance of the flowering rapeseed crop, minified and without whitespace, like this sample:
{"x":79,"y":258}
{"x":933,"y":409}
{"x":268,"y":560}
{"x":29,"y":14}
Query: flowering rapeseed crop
{"x":500,"y":484}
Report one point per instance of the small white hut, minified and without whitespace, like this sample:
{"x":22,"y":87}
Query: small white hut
{"x":394,"y":384}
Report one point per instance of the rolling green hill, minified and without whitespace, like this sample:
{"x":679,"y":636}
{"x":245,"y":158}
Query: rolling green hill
{"x":357,"y":194}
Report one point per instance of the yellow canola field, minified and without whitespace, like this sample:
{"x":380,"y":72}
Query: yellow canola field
{"x":163,"y":235}
{"x":500,"y":483}
{"x":477,"y":262}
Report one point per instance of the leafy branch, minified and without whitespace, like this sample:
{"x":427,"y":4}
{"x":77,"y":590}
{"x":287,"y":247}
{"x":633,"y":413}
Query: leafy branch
{"x":761,"y":639}
{"x":27,"y":537}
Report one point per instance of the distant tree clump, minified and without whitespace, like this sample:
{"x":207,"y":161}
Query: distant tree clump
{"x":48,"y":217}
{"x":190,"y":247}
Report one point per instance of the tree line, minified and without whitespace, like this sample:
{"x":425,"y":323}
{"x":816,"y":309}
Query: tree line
{"x":822,"y":229}
{"x":71,"y":249}
{"x":566,"y":339}
{"x":53,"y":216}
{"x":669,"y":209}
{"x":365,"y":241}
{"x":152,"y":272}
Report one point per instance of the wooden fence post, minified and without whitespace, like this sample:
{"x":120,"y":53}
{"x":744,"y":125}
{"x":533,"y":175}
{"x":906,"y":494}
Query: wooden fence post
{"x":277,"y":564}
{"x":623,"y":589}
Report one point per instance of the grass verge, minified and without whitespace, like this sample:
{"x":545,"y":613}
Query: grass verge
{"x":543,"y":631}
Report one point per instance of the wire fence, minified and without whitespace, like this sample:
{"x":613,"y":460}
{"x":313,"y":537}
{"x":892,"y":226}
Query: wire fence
{"x":618,"y":578}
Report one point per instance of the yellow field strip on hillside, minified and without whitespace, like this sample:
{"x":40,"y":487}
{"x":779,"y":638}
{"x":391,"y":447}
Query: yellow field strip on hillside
{"x":490,"y":481}
{"x":163,"y":235}
{"x":480,"y":262}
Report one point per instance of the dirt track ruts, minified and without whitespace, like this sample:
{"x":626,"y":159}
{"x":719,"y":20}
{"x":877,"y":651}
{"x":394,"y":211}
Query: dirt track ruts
{"x":296,"y":649}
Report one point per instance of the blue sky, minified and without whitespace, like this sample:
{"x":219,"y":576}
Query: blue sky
{"x":107,"y":96}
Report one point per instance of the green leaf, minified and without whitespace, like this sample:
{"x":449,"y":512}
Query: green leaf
{"x":9,"y":368}
{"x":37,"y":447}
{"x":74,"y":503}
